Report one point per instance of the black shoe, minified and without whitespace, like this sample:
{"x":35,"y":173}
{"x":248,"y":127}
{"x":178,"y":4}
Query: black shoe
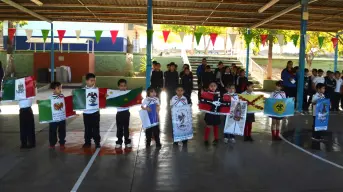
{"x":246,"y":138}
{"x":86,"y":145}
{"x":184,"y":143}
{"x":158,"y":145}
{"x":23,"y":146}
{"x":215,"y":142}
{"x":97,"y":145}
{"x":176,"y":143}
{"x":250,"y":139}
{"x":206,"y":143}
{"x":31,"y":146}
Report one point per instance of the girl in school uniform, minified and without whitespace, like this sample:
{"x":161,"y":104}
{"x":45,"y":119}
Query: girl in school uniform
{"x":276,"y":121}
{"x":250,"y":116}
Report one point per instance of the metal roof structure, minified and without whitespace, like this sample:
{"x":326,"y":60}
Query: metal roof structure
{"x":324,"y":15}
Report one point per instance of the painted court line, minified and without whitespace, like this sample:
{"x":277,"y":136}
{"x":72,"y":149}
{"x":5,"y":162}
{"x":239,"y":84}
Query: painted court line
{"x":91,"y":161}
{"x":311,"y":154}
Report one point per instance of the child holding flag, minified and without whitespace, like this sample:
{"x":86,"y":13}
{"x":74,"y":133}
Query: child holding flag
{"x":91,"y":118}
{"x":211,"y":119}
{"x":318,"y":96}
{"x":276,"y":121}
{"x":250,"y":116}
{"x":152,"y":101}
{"x":231,"y":91}
{"x":177,"y":101}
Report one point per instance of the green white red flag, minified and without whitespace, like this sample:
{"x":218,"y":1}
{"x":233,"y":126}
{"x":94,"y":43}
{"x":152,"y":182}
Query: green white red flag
{"x":88,"y":99}
{"x":56,"y":108}
{"x":117,"y":98}
{"x":19,"y":89}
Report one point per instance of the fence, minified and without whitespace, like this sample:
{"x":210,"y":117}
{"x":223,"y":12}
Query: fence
{"x":255,"y":70}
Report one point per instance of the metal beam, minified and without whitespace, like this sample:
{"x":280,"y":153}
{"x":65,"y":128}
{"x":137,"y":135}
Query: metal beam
{"x":279,"y":14}
{"x":21,"y":8}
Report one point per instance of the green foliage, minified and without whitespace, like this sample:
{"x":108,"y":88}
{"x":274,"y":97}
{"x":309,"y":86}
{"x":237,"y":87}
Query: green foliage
{"x":142,"y":66}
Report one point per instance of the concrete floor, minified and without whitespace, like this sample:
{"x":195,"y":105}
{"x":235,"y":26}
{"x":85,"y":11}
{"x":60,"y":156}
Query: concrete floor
{"x":260,"y":166}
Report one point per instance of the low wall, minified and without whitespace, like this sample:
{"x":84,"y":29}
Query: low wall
{"x":111,"y":82}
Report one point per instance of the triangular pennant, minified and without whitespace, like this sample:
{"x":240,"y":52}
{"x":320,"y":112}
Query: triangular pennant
{"x":264,"y":38}
{"x":61,"y":34}
{"x":334,"y":42}
{"x":149,"y":34}
{"x":78,"y":33}
{"x":114,"y":34}
{"x":233,"y":39}
{"x":295,"y":39}
{"x":182,"y":35}
{"x":320,"y":41}
{"x":247,"y":38}
{"x":28,"y":33}
{"x":98,"y":35}
{"x":197,"y":37}
{"x":280,"y":39}
{"x":45,"y":33}
{"x":165,"y":35}
{"x":11,"y":32}
{"x":213,"y":37}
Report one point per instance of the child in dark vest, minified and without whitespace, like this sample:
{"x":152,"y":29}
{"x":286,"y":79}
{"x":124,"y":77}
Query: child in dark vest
{"x":157,"y":78}
{"x":187,"y":84}
{"x":242,"y":82}
{"x":171,"y":80}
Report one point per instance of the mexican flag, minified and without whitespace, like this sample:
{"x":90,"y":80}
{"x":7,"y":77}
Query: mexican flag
{"x":117,"y":98}
{"x":19,"y":89}
{"x":55,"y":109}
{"x":88,"y":99}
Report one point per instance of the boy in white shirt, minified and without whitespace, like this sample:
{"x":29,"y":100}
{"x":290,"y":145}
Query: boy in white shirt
{"x":319,"y":95}
{"x":318,"y":79}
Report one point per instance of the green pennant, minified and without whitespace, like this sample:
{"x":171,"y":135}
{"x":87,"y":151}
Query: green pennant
{"x":197,"y":36}
{"x":320,"y":41}
{"x":149,"y":34}
{"x":247,"y":38}
{"x":295,"y":39}
{"x":45,"y":33}
{"x":98,"y":35}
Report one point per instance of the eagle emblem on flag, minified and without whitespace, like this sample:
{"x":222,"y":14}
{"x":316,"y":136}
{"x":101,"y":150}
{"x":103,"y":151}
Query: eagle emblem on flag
{"x":20,"y":88}
{"x":93,"y":98}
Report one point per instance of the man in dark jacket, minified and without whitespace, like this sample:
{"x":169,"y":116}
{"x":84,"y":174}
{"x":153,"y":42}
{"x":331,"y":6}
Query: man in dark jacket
{"x":200,"y":71}
{"x":171,"y":81}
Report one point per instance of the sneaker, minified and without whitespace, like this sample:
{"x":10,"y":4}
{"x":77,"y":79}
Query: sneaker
{"x":86,"y":145}
{"x":215,"y":142}
{"x":128,"y":146}
{"x":62,"y":147}
{"x":226,"y":140}
{"x":51,"y":146}
{"x":232,"y":140}
{"x":97,"y":145}
{"x":118,"y":146}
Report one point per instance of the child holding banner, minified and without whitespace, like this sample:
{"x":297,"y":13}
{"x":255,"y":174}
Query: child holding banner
{"x":148,"y":102}
{"x":276,"y":121}
{"x":231,"y":91}
{"x":250,"y":116}
{"x":316,"y":97}
{"x":212,"y":120}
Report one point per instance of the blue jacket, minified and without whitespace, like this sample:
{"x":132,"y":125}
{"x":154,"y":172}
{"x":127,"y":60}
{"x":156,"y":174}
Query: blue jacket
{"x":286,"y":76}
{"x":200,"y":70}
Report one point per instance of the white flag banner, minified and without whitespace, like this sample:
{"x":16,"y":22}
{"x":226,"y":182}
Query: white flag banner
{"x":280,"y":39}
{"x":78,"y":33}
{"x":92,"y":99}
{"x":28,"y":33}
{"x":182,"y":35}
{"x":58,"y":108}
{"x":20,"y":89}
{"x":233,"y":39}
{"x":235,"y":121}
{"x":182,"y":123}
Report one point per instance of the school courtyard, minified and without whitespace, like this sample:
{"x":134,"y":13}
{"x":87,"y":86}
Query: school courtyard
{"x":295,"y":164}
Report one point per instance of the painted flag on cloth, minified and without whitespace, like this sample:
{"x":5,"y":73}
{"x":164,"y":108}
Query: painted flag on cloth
{"x":182,"y":123}
{"x":88,"y":99}
{"x":55,"y":109}
{"x":117,"y":98}
{"x":322,"y":115}
{"x":279,"y":107}
{"x":212,"y":103}
{"x":19,"y":89}
{"x":255,"y":102}
{"x":235,"y":121}
{"x":149,"y":119}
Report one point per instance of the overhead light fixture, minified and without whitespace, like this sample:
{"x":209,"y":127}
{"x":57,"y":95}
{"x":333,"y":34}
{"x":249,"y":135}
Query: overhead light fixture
{"x":262,"y":9}
{"x":37,"y":2}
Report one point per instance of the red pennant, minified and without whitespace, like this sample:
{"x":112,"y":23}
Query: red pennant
{"x":114,"y":34}
{"x":61,"y":34}
{"x":334,"y":42}
{"x":264,"y":39}
{"x":165,"y":35}
{"x":11,"y":32}
{"x":213,"y":37}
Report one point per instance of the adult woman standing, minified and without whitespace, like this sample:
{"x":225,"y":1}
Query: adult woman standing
{"x":289,"y":79}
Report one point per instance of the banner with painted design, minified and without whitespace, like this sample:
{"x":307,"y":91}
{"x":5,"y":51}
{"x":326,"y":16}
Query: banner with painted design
{"x":182,"y":123}
{"x":19,"y":89}
{"x":88,"y":99}
{"x":55,"y":109}
{"x":255,"y":102}
{"x":149,"y":118}
{"x":322,"y":115}
{"x":129,"y":98}
{"x":214,"y":104}
{"x":235,"y":121}
{"x":279,"y":107}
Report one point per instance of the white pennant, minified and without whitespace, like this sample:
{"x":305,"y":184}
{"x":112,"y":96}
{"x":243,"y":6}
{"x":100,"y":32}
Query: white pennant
{"x":78,"y":33}
{"x":233,"y":39}
{"x":182,"y":35}
{"x":28,"y":33}
{"x":280,"y":39}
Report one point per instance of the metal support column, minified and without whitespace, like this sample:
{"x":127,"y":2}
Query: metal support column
{"x":149,"y":44}
{"x":52,"y":54}
{"x":336,"y":55}
{"x":248,"y":56}
{"x":300,"y":80}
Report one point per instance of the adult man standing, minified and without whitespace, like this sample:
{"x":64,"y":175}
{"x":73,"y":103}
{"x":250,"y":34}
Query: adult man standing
{"x":200,"y":71}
